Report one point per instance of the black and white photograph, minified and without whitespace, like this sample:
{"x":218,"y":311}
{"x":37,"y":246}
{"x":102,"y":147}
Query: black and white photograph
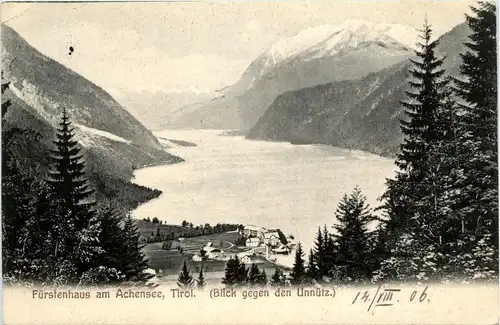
{"x":302,"y":147}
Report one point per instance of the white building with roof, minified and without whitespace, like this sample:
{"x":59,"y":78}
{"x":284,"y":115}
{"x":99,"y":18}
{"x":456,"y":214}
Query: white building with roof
{"x":212,"y":252}
{"x":272,"y":238}
{"x":252,"y":242}
{"x":250,"y":230}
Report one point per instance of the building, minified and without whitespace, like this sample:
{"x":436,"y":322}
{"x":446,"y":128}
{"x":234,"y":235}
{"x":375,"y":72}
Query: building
{"x":215,"y":254}
{"x":272,"y":238}
{"x":246,"y":259}
{"x":211,"y":252}
{"x":250,"y":230}
{"x":252,"y":242}
{"x":282,"y":249}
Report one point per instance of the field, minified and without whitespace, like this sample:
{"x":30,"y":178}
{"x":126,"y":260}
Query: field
{"x":145,"y":228}
{"x":169,"y":263}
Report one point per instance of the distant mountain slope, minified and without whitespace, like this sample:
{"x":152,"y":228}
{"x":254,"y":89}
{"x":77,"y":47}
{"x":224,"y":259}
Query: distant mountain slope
{"x":315,"y":56}
{"x":359,"y":114}
{"x":153,"y":108}
{"x":114,"y":142}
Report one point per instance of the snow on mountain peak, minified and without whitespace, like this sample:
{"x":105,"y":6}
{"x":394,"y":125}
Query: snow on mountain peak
{"x":326,"y":39}
{"x":290,"y":46}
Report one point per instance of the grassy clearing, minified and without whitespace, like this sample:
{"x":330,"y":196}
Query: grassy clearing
{"x":145,"y":228}
{"x":170,"y":262}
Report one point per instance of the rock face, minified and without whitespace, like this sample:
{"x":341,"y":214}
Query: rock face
{"x":359,"y":114}
{"x":315,"y":56}
{"x":114,"y":141}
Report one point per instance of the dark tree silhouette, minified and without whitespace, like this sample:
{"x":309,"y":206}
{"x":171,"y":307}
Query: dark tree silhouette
{"x":68,"y":176}
{"x":298,"y":274}
{"x":200,"y":283}
{"x":185,"y":280}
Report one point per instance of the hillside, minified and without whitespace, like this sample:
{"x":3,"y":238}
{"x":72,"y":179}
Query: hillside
{"x":114,"y":142}
{"x":358,"y":114}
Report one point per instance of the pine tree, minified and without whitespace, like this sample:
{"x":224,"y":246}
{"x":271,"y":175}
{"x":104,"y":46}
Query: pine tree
{"x":277,"y":279}
{"x":352,"y":237}
{"x":414,"y":204}
{"x":378,"y":247}
{"x":68,"y":176}
{"x":262,"y":279}
{"x":312,"y":268}
{"x":421,"y":128}
{"x":200,"y":283}
{"x":69,"y":219}
{"x":331,"y":253}
{"x":185,"y":279}
{"x":242,"y":273}
{"x":477,"y":194}
{"x":253,"y":275}
{"x":235,"y":273}
{"x":111,"y":238}
{"x":132,"y":257}
{"x":474,"y":194}
{"x":298,"y":274}
{"x":317,"y":257}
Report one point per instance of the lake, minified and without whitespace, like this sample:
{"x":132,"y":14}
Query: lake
{"x":272,"y":184}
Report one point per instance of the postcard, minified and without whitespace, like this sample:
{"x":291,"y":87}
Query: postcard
{"x":249,"y":162}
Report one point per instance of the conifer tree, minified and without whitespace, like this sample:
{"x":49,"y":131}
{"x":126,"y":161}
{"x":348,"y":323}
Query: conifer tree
{"x":277,"y":278}
{"x":298,"y":273}
{"x":352,"y":237}
{"x":331,"y":252}
{"x":253,"y":275}
{"x":262,"y":279}
{"x":111,"y":239}
{"x":66,"y":214}
{"x":68,"y":176}
{"x":242,"y":273}
{"x":317,"y":257}
{"x":200,"y":283}
{"x":413,"y":203}
{"x":235,"y":273}
{"x":312,"y":268}
{"x":477,"y":202}
{"x":133,"y":259}
{"x":420,"y":130}
{"x":185,"y":279}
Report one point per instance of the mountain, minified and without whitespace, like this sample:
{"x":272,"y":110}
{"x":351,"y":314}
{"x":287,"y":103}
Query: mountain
{"x":358,"y":114}
{"x":153,"y":107}
{"x":113,"y":140}
{"x":315,"y":56}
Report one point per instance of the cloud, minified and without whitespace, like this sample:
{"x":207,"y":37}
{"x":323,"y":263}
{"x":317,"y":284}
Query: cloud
{"x":149,"y":68}
{"x":120,"y":60}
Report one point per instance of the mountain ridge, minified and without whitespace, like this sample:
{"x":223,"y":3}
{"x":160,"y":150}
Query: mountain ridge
{"x":356,"y":54}
{"x":332,"y":114}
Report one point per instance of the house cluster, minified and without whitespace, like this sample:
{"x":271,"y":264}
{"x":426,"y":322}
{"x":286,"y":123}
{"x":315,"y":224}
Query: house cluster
{"x":210,"y":252}
{"x":260,"y":236}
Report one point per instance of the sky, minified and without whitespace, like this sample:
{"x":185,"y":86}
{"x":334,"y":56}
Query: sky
{"x":192,"y":46}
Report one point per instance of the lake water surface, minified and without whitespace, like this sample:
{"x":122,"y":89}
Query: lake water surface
{"x":270,"y":184}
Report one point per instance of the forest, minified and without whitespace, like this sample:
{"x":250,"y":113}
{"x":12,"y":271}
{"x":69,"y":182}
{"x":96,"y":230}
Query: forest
{"x":54,"y":230}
